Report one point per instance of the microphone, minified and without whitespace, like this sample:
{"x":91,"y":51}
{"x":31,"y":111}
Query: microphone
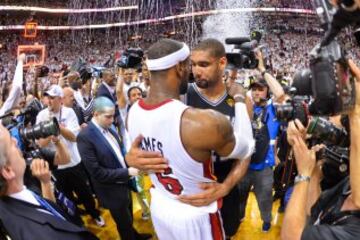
{"x":237,"y":41}
{"x":249,"y":45}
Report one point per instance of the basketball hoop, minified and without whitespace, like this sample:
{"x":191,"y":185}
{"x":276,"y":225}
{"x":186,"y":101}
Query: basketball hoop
{"x":30,"y":29}
{"x":34,"y":55}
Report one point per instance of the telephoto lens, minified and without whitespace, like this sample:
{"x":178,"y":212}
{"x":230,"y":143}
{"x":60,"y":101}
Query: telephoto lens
{"x":42,"y":130}
{"x":324,"y":130}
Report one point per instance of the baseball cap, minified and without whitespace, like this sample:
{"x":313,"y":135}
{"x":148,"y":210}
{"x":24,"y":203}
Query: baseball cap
{"x":55,"y":91}
{"x":259,"y":83}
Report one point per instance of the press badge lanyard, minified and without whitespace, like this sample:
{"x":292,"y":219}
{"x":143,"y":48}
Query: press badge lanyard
{"x":60,"y":115}
{"x":47,"y":206}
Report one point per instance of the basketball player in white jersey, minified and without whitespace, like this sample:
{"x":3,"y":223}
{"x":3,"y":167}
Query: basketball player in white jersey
{"x":185,"y":137}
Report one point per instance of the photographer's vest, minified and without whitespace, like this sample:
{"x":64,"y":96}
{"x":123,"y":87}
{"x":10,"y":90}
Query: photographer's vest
{"x":261,"y":135}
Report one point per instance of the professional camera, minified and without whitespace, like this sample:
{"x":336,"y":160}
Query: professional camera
{"x":41,"y":130}
{"x":335,"y":166}
{"x":329,"y":79}
{"x":27,"y":115}
{"x":243,"y":54}
{"x":327,"y":132}
{"x":19,"y":125}
{"x":131,"y":58}
{"x":82,"y":68}
{"x":333,"y":20}
{"x":41,"y":153}
{"x":295,"y":108}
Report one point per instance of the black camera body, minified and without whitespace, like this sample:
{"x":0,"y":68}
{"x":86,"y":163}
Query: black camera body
{"x":336,"y":165}
{"x":18,"y":126}
{"x":295,"y":108}
{"x":329,"y":80}
{"x":42,"y":153}
{"x":131,"y":58}
{"x":82,"y":68}
{"x":243,"y":54}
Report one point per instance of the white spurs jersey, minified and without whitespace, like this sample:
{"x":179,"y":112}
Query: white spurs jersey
{"x":160,"y":127}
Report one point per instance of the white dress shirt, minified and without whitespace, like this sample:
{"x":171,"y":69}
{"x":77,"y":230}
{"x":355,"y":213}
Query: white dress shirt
{"x":112,"y":141}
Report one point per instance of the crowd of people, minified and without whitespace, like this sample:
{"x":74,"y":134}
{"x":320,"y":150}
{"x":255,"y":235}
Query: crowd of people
{"x":96,"y":47}
{"x":43,"y":3}
{"x":96,"y":119}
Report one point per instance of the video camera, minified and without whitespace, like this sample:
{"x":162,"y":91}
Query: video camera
{"x":329,"y":79}
{"x":131,"y":58}
{"x":243,"y":54}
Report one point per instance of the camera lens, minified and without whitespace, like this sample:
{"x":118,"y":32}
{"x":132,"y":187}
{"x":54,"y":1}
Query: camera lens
{"x":284,"y":112}
{"x":42,"y":130}
{"x":326,"y":131}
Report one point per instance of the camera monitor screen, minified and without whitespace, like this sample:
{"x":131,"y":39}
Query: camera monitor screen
{"x":35,"y":54}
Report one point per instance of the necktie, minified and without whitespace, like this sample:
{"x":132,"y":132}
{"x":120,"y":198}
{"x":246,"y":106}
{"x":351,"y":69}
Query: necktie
{"x":48,"y":207}
{"x":121,"y":145}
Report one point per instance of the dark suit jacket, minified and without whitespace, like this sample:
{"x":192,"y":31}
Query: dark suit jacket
{"x":104,"y":92}
{"x":23,"y":221}
{"x":109,"y":178}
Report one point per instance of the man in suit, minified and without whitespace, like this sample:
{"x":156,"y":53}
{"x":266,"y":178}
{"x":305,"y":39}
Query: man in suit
{"x":101,"y":150}
{"x":24,"y":214}
{"x":107,"y":89}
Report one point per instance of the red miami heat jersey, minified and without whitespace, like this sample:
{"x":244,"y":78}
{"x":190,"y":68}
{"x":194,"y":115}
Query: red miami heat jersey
{"x":160,"y":127}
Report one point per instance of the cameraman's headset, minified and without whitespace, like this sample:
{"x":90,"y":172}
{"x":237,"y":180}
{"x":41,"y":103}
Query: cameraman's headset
{"x":252,"y":80}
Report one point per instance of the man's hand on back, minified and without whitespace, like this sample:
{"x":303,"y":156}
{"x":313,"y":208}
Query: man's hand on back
{"x":145,"y":160}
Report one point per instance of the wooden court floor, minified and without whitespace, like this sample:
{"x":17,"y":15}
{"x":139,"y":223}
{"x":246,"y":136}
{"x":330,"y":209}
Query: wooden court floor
{"x":250,"y":228}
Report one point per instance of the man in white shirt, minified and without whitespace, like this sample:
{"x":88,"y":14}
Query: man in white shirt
{"x":71,"y":178}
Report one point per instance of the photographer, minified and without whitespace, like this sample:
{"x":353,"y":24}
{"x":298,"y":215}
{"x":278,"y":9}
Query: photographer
{"x":265,"y":127}
{"x":70,"y":178}
{"x":23,"y":212}
{"x":336,"y":212}
{"x":58,"y":156}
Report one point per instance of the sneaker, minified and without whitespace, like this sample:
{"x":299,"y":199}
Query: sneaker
{"x":266,"y":226}
{"x":100,"y":221}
